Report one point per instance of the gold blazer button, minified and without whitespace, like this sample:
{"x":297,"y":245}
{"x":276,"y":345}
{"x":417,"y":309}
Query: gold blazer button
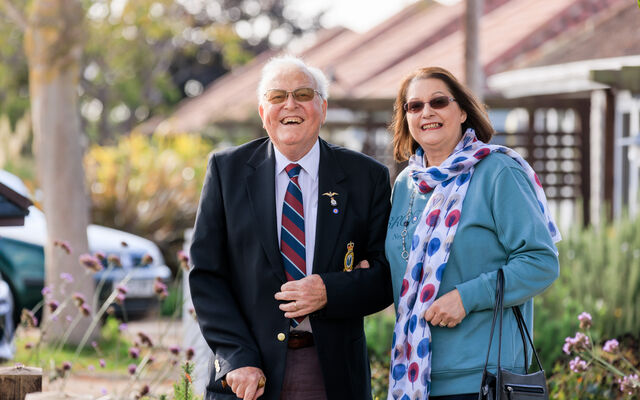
{"x":281,"y":336}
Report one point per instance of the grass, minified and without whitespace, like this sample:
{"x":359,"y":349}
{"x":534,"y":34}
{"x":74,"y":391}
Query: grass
{"x":116,"y":359}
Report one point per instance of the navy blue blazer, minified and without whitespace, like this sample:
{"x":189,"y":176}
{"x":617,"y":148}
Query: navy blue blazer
{"x":237,"y":266}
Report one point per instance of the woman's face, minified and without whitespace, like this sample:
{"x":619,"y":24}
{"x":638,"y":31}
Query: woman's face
{"x":437,"y":131}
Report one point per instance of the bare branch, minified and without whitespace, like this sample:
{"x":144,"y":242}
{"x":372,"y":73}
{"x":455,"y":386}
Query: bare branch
{"x":14,"y":14}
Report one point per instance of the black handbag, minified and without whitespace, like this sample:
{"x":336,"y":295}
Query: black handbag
{"x":507,"y":385}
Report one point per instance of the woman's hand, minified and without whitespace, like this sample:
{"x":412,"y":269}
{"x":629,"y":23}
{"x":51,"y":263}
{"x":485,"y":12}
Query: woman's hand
{"x":447,"y":311}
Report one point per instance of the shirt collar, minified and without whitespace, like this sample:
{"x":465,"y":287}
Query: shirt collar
{"x":310,"y":162}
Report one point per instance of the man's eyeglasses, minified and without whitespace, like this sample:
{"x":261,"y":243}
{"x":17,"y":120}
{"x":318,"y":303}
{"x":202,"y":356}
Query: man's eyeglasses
{"x":277,"y":96}
{"x":436,"y":103}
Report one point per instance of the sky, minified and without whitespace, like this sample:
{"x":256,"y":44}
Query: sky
{"x":357,"y":15}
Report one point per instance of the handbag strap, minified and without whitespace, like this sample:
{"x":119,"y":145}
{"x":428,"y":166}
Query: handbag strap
{"x":522,"y":327}
{"x":498,"y":308}
{"x":520,"y":322}
{"x":520,"y":319}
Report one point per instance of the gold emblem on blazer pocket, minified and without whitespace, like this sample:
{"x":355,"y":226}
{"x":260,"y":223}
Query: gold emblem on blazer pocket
{"x":349,"y":258}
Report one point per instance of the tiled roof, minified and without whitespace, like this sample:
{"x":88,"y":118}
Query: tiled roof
{"x":592,"y":39}
{"x":371,"y":65}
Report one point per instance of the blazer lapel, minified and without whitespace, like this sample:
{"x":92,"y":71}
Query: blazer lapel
{"x":329,"y":223}
{"x":262,"y":199}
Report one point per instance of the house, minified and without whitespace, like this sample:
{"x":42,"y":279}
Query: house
{"x":13,"y":205}
{"x":520,"y":43}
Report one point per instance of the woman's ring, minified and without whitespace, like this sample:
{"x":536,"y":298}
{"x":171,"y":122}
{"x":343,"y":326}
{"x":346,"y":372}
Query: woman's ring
{"x":443,"y":324}
{"x":295,"y":305}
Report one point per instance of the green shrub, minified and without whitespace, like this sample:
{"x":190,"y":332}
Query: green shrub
{"x":172,"y":305}
{"x":149,"y":186}
{"x":379,"y":330}
{"x":599,"y":272}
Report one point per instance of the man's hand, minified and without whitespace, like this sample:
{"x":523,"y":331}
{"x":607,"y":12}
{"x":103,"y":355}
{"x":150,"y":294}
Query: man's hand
{"x":245,"y":381}
{"x":447,"y":311}
{"x":304,"y":296}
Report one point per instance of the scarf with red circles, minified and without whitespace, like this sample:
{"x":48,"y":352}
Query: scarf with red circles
{"x":410,"y":370}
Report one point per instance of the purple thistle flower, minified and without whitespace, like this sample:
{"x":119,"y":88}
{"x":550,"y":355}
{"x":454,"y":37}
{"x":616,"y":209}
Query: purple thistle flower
{"x":100,"y":256}
{"x":122,"y":327}
{"x":160,"y":289}
{"x":94,"y":344}
{"x":53,"y":305}
{"x":66,"y":366}
{"x":585,"y":320}
{"x":79,"y":299}
{"x":120,"y":298}
{"x":183,"y":258}
{"x":147,"y":259}
{"x":610,"y":346}
{"x":28,"y":318}
{"x":190,"y":353}
{"x":114,"y":260}
{"x":102,"y":363}
{"x":174,"y":350}
{"x":64,"y":245}
{"x":91,"y":368}
{"x":46,"y":290}
{"x":103,"y":391}
{"x":67,"y":277}
{"x":144,"y":391}
{"x":132,"y":368}
{"x":85,"y":309}
{"x":121,"y":288}
{"x":578,"y":365}
{"x":145,"y":339}
{"x":90,"y":262}
{"x":134,"y":352}
{"x":28,"y":346}
{"x":629,"y":384}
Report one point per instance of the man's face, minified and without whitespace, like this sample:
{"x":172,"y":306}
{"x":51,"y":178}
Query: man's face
{"x":292,"y":125}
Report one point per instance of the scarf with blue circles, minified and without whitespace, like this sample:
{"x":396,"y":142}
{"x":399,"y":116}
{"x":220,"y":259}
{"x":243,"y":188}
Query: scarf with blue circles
{"x":410,"y":370}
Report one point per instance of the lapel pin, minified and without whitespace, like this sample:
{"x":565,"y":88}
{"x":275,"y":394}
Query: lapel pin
{"x":349,"y":257}
{"x":332,"y":201}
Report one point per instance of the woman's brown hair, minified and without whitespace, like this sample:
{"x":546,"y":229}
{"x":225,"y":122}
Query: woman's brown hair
{"x":403,"y":144}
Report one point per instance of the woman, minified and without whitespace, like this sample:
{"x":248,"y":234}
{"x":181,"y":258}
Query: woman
{"x":461,"y":210}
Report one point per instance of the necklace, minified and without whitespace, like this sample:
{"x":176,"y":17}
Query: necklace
{"x":403,"y":234}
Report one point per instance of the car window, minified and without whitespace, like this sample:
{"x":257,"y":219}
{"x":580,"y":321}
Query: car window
{"x":24,"y":259}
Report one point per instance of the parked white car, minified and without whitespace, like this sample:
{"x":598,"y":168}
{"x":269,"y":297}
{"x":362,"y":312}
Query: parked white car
{"x":22,"y":263}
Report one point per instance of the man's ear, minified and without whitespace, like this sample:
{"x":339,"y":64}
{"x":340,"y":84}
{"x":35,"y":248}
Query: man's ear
{"x":324,"y":111}
{"x":261,"y":112}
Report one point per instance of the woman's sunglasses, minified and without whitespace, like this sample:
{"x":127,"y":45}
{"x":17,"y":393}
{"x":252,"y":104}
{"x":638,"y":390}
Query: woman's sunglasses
{"x":436,"y":103}
{"x":277,"y":96}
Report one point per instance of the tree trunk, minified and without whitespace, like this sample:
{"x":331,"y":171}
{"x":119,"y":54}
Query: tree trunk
{"x":473,"y":66}
{"x":53,"y":44}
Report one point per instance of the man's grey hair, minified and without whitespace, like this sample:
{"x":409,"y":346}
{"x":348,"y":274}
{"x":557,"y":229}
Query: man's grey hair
{"x":277,"y":63}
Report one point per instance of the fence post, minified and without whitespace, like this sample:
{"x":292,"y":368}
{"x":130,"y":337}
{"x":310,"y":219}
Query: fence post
{"x":16,"y":382}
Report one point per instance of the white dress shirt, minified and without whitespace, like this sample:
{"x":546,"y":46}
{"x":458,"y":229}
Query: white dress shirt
{"x":308,"y":180}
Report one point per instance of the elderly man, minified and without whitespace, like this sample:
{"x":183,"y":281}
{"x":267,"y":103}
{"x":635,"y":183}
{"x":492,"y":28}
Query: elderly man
{"x":281,"y":225}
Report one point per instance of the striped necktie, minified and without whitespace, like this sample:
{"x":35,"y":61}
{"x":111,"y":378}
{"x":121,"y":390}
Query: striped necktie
{"x":292,"y":243}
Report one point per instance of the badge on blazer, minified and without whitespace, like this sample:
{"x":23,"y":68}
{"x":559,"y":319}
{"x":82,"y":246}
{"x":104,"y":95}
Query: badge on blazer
{"x":349,"y":258}
{"x":332,"y":201}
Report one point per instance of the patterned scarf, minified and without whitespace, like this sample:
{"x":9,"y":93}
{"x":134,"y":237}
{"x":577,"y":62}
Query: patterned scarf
{"x":410,"y":371}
